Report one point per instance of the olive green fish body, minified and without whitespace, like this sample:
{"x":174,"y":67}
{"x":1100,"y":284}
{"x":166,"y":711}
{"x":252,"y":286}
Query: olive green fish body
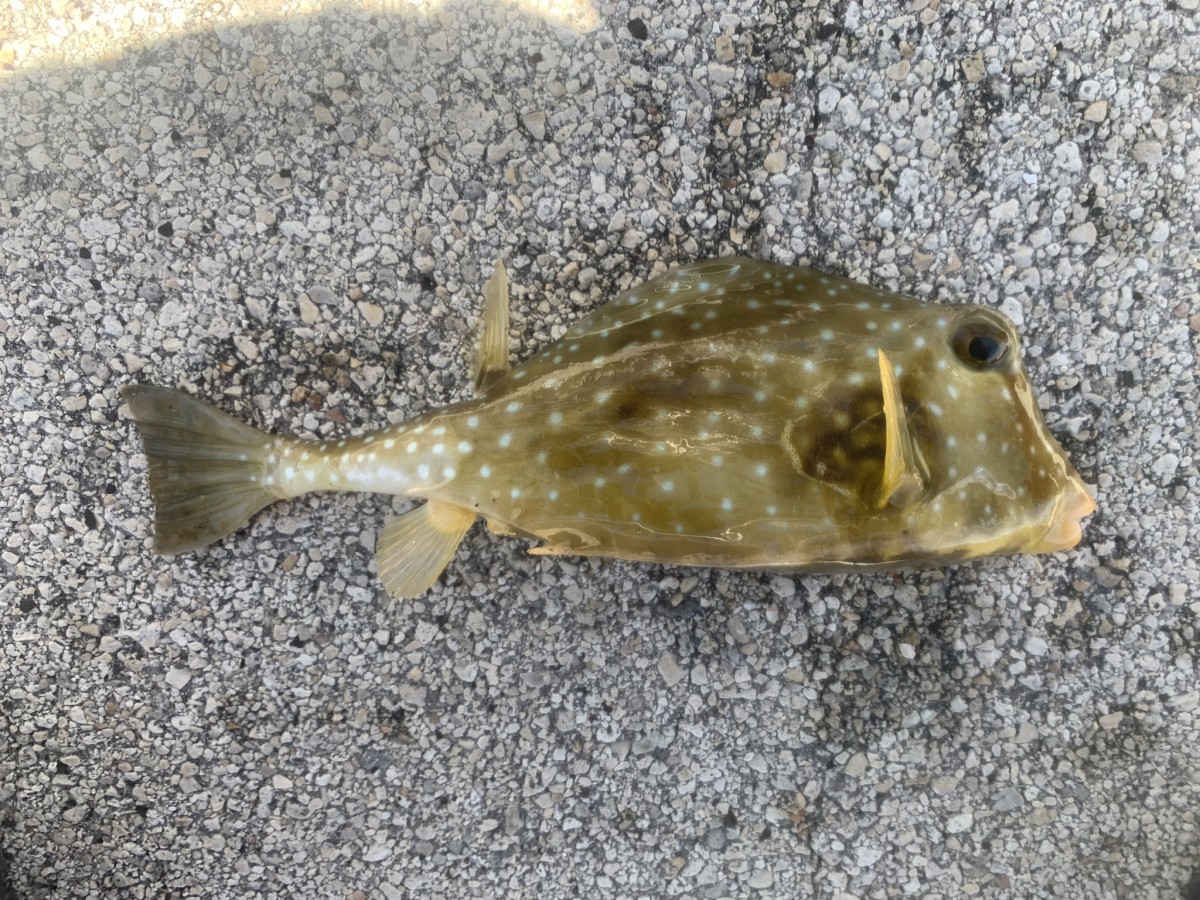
{"x":729,"y":413}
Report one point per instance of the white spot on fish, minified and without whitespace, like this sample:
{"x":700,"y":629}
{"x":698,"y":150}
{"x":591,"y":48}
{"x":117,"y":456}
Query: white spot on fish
{"x":515,"y":493}
{"x":668,"y":486}
{"x":895,"y":326}
{"x":951,"y":441}
{"x":553,"y":495}
{"x":485,"y":471}
{"x":771,"y":510}
{"x":439,"y":431}
{"x":871,"y":326}
{"x":718,"y":460}
{"x":726,"y":504}
{"x":826,"y":334}
{"x":952,"y":391}
{"x":473,"y":422}
{"x":464,"y":447}
{"x":423,"y":470}
{"x":387,"y":445}
{"x":981,"y":437}
{"x":602,"y":397}
{"x":599,"y":482}
{"x":935,"y":409}
{"x":366,"y":440}
{"x":512,"y":406}
{"x":918,"y":341}
{"x":505,"y":439}
{"x":437,"y":449}
{"x":555,"y":418}
{"x":854,"y":378}
{"x":448,"y":472}
{"x":412,"y":447}
{"x":808,"y":365}
{"x":761,"y":470}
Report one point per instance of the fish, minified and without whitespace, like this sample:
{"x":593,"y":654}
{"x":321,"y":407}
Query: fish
{"x":729,"y":413}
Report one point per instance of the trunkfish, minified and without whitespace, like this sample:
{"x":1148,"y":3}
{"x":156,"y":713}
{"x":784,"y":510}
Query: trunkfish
{"x":728,"y":413}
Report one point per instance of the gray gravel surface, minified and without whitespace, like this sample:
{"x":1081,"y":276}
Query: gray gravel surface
{"x":293,"y":218}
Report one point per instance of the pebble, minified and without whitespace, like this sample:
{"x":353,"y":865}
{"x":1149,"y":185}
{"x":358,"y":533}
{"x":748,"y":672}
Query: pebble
{"x":957,"y":824}
{"x":535,"y":124}
{"x":1083,"y":234}
{"x":672,"y":673}
{"x":371,"y":312}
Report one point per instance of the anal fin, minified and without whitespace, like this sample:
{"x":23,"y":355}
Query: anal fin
{"x":491,"y":366}
{"x":902,"y":482}
{"x":414,"y":547}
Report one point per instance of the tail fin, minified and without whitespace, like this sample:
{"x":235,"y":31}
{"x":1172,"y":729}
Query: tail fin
{"x":208,"y":471}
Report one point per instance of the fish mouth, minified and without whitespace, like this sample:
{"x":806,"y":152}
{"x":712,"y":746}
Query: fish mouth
{"x":1064,"y":531}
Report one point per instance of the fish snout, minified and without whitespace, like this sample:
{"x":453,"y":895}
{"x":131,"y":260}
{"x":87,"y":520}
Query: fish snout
{"x":1064,"y":531}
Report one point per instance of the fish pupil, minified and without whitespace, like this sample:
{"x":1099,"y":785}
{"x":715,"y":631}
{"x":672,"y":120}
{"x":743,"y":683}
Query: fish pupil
{"x":984,"y":348}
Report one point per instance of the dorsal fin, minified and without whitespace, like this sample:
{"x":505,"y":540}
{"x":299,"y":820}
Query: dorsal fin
{"x":492,"y":363}
{"x":902,"y":482}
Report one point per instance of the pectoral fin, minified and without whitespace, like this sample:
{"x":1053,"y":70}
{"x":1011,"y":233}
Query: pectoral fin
{"x":902,"y":481}
{"x":492,"y":363}
{"x":414,"y":548}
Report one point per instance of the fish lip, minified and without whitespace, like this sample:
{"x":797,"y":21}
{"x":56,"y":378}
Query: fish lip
{"x":1064,"y":530}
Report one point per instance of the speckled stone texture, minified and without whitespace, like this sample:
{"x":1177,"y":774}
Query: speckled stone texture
{"x":293,"y":218}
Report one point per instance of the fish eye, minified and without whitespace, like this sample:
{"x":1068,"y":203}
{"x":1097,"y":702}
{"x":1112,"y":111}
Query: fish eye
{"x":982,"y":342}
